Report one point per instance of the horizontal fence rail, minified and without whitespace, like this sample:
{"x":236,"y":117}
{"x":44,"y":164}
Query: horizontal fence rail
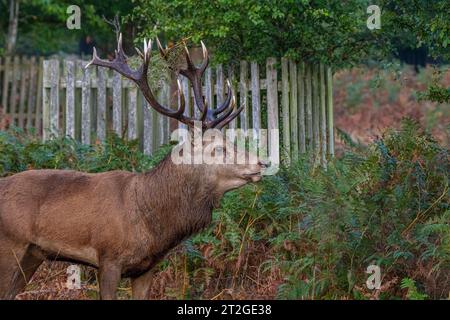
{"x":86,"y":104}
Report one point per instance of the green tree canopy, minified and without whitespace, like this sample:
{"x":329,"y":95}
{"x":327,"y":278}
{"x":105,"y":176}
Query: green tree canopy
{"x":330,"y":31}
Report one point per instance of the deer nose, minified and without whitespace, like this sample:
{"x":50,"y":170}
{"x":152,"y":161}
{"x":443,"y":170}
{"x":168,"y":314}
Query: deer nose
{"x":264,"y":164}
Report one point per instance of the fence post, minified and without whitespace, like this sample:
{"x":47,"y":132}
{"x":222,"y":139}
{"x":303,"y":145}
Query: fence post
{"x":6,"y":77}
{"x":323,"y":117}
{"x":24,"y":66}
{"x":256,"y":96}
{"x":101,"y":103}
{"x":308,"y":93}
{"x":219,"y":84}
{"x":316,"y":113}
{"x":70,"y":98}
{"x":162,"y":97}
{"x":209,"y":88}
{"x":31,"y":93}
{"x":85,"y":104}
{"x":272,"y":108}
{"x":13,"y":97}
{"x":329,"y":85}
{"x":293,"y":109}
{"x":243,"y":83}
{"x":50,"y":94}
{"x":132,"y":113}
{"x":285,"y":107}
{"x":39,"y":100}
{"x":148,"y":126}
{"x":301,"y":107}
{"x":117,"y":103}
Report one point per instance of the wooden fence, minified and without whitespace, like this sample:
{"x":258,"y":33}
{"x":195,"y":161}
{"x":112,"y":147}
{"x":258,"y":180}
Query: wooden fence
{"x":85,"y":104}
{"x":21,"y":90}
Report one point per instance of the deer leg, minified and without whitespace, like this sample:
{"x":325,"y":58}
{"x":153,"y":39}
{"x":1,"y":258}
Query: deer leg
{"x":109,"y":277}
{"x":29,"y":264}
{"x":17,"y":266}
{"x":140,"y":286}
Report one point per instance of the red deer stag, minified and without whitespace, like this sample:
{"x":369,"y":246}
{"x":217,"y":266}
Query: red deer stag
{"x":119,"y":222}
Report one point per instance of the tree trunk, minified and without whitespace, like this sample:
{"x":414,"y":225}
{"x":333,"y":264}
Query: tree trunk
{"x":12,"y":27}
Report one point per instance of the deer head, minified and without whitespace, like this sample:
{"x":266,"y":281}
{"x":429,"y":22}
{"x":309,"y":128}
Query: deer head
{"x":228,"y":176}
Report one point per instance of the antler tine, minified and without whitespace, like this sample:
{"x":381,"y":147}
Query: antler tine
{"x":205,"y":61}
{"x":189,"y":62}
{"x":182,"y":100}
{"x":162,"y":51}
{"x":218,"y":120}
{"x":119,"y":63}
{"x":232,"y":116}
{"x":227,"y":101}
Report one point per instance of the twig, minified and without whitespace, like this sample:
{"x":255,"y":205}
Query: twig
{"x":20,"y":267}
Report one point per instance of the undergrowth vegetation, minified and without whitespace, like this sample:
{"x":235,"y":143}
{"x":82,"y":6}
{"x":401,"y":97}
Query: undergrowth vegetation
{"x":306,"y":233}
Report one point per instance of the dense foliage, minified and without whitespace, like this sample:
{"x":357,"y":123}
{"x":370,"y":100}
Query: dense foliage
{"x":331,"y":31}
{"x":305,"y":233}
{"x":19,"y":152}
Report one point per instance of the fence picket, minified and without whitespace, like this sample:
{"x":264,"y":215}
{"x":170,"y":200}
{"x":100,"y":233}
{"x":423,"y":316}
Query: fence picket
{"x":13,"y":97}
{"x":243,"y":83}
{"x":316,"y":113}
{"x":24,"y":66}
{"x":309,"y":121}
{"x":6,"y":77}
{"x":285,"y":106}
{"x":132,"y":113}
{"x":209,"y":88}
{"x":85,"y":104}
{"x":39,"y":101}
{"x":272,"y":105}
{"x":301,"y":108}
{"x":160,"y":118}
{"x":117,"y":103}
{"x":293,"y":111}
{"x":330,"y":119}
{"x":31,"y":100}
{"x":70,"y":98}
{"x":219,"y":84}
{"x":50,"y":95}
{"x":148,"y":126}
{"x":323,"y":117}
{"x":101,"y":103}
{"x":256,"y":96}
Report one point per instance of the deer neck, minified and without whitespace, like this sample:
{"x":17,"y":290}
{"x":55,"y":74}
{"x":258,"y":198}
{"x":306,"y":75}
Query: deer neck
{"x":176,"y":201}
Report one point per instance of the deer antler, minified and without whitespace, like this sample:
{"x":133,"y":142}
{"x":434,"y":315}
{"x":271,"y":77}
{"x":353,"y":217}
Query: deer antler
{"x":224,"y":112}
{"x":194,"y":75}
{"x":139,"y":76}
